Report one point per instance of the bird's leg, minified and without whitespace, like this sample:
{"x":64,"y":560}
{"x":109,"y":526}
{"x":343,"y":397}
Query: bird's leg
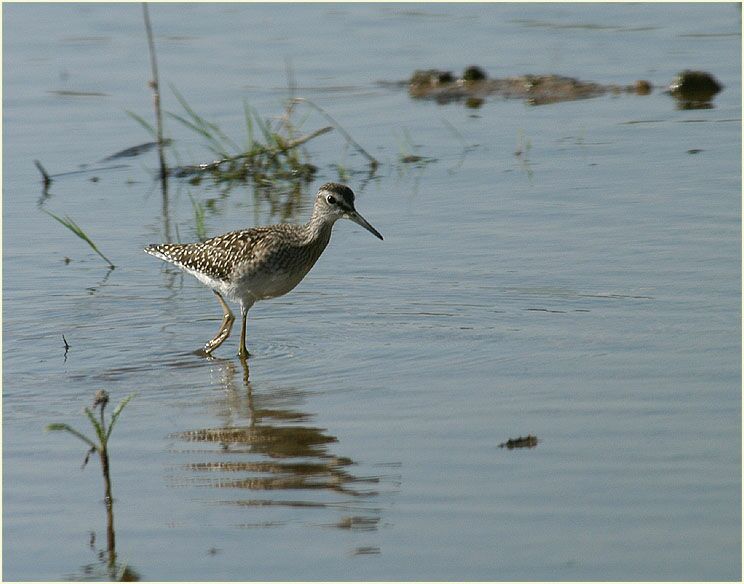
{"x":242,"y":351}
{"x":227,"y":321}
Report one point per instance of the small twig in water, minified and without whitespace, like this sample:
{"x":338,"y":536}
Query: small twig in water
{"x":47,"y":179}
{"x":302,"y":139}
{"x":528,"y":441}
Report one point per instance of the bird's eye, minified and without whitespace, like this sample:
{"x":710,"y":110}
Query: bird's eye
{"x":331,"y":199}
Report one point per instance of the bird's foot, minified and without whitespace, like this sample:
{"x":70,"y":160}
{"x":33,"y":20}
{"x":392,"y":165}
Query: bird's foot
{"x":205,"y":351}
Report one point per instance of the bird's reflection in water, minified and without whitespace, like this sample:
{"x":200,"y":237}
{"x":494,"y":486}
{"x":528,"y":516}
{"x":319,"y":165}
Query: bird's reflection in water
{"x":265,"y":444}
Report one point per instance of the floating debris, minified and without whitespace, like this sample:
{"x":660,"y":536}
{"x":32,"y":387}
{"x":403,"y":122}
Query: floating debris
{"x":70,"y":93}
{"x":366,"y":550}
{"x":474,"y":73}
{"x":358,"y":523}
{"x":528,"y":441}
{"x":431,"y":78}
{"x":475,"y":85}
{"x":474,"y":102}
{"x":693,"y":88}
{"x":642,"y":87}
{"x":408,"y":159}
{"x":696,"y":86}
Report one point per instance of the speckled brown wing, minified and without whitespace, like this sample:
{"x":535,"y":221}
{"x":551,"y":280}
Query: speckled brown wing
{"x":216,"y":258}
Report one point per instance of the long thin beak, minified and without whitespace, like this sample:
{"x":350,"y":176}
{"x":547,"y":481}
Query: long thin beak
{"x":359,"y":220}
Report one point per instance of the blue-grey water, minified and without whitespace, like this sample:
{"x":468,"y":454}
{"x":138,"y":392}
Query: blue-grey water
{"x":570,"y":271}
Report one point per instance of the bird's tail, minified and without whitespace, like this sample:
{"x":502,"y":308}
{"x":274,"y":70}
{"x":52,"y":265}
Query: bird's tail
{"x":168,"y":252}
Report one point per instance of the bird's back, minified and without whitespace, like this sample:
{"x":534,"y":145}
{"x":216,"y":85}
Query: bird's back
{"x":232,"y":260}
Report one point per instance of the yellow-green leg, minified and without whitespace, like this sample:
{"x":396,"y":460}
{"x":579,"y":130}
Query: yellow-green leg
{"x":227,"y":321}
{"x":242,"y":351}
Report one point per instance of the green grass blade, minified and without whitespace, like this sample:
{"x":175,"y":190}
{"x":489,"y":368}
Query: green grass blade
{"x":219,"y":153}
{"x":222,"y":136}
{"x":117,"y":411}
{"x":144,"y":123}
{"x":67,"y":428}
{"x":208,"y":129}
{"x":185,"y":105}
{"x":204,"y":132}
{"x":248,"y":113}
{"x":191,"y":125}
{"x":201,"y":232}
{"x":97,"y":426}
{"x":77,"y":230}
{"x":263,"y":125}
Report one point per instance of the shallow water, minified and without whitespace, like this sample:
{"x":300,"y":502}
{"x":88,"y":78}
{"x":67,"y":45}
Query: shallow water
{"x":586,"y":291}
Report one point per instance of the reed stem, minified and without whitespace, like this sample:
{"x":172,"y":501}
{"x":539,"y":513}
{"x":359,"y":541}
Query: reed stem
{"x":155,"y":85}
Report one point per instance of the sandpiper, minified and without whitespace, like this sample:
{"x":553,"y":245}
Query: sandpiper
{"x":262,"y":262}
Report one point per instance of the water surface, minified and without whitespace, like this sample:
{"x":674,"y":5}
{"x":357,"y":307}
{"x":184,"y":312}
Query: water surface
{"x":586,"y":291}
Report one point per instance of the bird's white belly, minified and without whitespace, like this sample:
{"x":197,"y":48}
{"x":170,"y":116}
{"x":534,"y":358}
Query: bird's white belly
{"x":261,"y":286}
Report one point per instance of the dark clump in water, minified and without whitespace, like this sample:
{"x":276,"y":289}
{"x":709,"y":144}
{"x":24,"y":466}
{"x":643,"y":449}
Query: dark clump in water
{"x":528,"y":441}
{"x":694,"y":89}
{"x":431,"y":78}
{"x":474,"y":86}
{"x":474,"y":102}
{"x":474,"y":73}
{"x":642,"y":87}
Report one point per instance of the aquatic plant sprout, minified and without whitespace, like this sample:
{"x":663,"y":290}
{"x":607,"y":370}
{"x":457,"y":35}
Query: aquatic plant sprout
{"x":77,"y":230}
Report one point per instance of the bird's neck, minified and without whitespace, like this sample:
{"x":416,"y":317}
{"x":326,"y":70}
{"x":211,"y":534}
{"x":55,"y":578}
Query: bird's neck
{"x":319,"y":228}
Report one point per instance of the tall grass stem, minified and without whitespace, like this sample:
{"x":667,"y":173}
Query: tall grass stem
{"x":155,"y":85}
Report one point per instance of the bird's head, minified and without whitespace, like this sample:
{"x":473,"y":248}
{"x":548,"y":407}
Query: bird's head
{"x":336,"y":201}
